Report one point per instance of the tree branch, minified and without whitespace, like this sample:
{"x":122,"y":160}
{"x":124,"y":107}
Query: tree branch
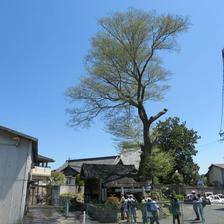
{"x":161,"y":113}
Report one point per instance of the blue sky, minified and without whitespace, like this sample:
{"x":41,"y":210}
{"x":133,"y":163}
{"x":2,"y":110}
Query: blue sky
{"x":42,"y":46}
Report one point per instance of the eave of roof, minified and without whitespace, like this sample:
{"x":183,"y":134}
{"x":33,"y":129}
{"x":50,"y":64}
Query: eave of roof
{"x":94,"y":158}
{"x":45,"y":159}
{"x":107,"y":173}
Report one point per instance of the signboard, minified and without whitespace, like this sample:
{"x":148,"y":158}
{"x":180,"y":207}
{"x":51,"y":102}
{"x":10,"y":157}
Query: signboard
{"x":130,"y":190}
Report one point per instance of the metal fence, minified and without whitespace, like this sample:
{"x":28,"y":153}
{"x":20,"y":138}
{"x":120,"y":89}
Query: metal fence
{"x":99,"y":213}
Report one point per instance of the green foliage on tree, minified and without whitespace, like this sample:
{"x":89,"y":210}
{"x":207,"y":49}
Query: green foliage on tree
{"x":125,"y":71}
{"x":79,"y":181}
{"x":177,"y":178}
{"x":57,"y":178}
{"x":174,"y":137}
{"x":159,"y":165}
{"x":204,"y":179}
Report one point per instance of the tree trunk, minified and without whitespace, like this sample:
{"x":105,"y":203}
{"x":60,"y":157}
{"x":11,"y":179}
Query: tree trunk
{"x":146,"y":149}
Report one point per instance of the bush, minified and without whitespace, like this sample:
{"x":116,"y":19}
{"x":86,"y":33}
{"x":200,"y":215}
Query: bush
{"x":57,"y":178}
{"x":179,"y":197}
{"x":113,"y":201}
{"x":79,"y":180}
{"x":67,"y":195}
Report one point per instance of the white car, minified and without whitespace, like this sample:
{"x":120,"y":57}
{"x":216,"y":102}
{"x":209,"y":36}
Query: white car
{"x":221,"y":196}
{"x":208,"y":194}
{"x":215,"y":199}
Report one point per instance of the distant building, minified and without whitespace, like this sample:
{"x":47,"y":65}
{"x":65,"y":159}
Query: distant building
{"x":71,"y":168}
{"x":102,"y":180}
{"x":18,"y":152}
{"x":40,"y":193}
{"x":216,"y":175}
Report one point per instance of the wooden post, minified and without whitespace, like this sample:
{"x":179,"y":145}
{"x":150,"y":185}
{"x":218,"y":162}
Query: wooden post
{"x":143,"y":191}
{"x":122,"y":190}
{"x":100,"y":190}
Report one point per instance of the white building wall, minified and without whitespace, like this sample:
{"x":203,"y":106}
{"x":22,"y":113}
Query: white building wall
{"x":215,"y":175}
{"x":15,"y":166}
{"x":68,"y":189}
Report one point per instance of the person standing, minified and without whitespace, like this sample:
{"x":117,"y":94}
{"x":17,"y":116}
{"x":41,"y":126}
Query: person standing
{"x":195,"y":205}
{"x":126,"y":209}
{"x":149,"y":212}
{"x":154,"y":209}
{"x":132,"y":204}
{"x":175,"y":210}
{"x":122,"y":206}
{"x":201,"y":204}
{"x":144,"y":210}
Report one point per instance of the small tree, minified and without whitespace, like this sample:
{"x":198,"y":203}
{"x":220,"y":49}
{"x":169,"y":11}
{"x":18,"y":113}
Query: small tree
{"x":159,"y":165}
{"x":125,"y":72}
{"x":174,"y":137}
{"x":57,"y":178}
{"x":79,"y":181}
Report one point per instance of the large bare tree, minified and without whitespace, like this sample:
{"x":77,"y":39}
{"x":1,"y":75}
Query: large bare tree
{"x":124,"y":71}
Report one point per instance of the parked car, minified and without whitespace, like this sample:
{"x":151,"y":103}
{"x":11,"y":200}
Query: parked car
{"x":221,"y":196}
{"x":215,"y":199}
{"x":208,"y":194}
{"x":188,"y":198}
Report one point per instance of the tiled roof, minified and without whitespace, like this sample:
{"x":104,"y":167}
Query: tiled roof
{"x":76,"y":164}
{"x":131,"y":157}
{"x":127,"y":157}
{"x":107,"y":173}
{"x":41,"y":158}
{"x":219,"y":165}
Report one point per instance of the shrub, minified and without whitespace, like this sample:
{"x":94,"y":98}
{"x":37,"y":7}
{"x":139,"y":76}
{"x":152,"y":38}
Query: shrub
{"x":112,"y":201}
{"x":57,"y":178}
{"x":180,"y":197}
{"x":67,"y":195}
{"x":79,"y":180}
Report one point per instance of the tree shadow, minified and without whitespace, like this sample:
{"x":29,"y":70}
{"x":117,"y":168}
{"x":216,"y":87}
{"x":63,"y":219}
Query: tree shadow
{"x":219,"y":209}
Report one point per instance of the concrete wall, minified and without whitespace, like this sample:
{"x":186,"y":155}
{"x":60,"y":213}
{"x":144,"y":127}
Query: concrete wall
{"x":39,"y":171}
{"x":68,"y":189}
{"x":15,"y":166}
{"x":57,"y":191}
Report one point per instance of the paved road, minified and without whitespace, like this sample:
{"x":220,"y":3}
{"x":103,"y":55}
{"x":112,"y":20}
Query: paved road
{"x":51,"y":215}
{"x":214,"y":214}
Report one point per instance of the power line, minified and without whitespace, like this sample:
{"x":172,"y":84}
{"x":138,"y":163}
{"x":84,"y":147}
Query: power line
{"x":221,"y":132}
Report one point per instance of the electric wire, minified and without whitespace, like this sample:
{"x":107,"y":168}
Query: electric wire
{"x":221,"y":133}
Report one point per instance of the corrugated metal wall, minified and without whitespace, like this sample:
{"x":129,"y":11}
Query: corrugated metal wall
{"x":15,"y":165}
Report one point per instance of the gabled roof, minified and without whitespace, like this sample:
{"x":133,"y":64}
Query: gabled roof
{"x":131,"y":157}
{"x":107,"y":173}
{"x":76,"y":164}
{"x":22,"y":135}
